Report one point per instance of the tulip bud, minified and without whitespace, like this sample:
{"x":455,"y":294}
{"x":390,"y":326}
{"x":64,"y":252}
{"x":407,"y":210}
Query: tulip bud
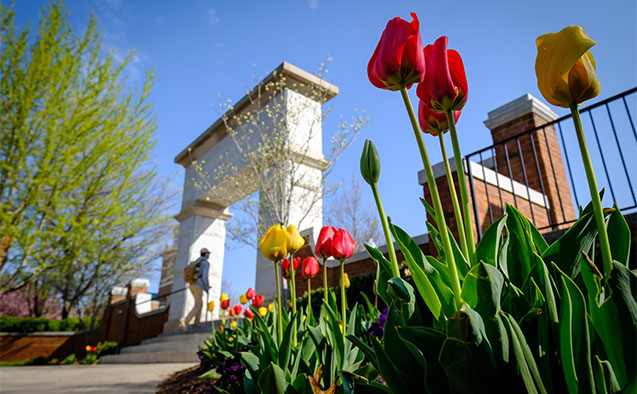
{"x":248,"y":313}
{"x":324,"y":243}
{"x":310,"y":267}
{"x":285,"y":267}
{"x":250,"y":293}
{"x":273,"y":245}
{"x":295,"y":241}
{"x":257,"y":301}
{"x":225,"y":304}
{"x":271,"y":307}
{"x":263,"y":311}
{"x":233,"y":324}
{"x":211,"y":306}
{"x":343,"y":245}
{"x":370,"y":163}
{"x":346,"y":281}
{"x":223,"y":297}
{"x":565,"y":68}
{"x":243,"y":299}
{"x":398,"y":59}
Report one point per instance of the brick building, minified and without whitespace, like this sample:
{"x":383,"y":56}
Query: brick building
{"x":522,"y":169}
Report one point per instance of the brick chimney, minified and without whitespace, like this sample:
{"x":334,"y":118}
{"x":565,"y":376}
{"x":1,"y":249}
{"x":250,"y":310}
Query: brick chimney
{"x":537,"y":154}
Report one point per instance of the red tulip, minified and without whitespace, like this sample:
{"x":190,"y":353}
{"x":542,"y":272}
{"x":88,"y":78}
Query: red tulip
{"x":398,"y":59}
{"x":445,"y":84}
{"x":247,"y":313}
{"x":285,"y":267}
{"x":310,"y":267}
{"x":324,"y":243}
{"x":257,"y":301}
{"x":236,"y":310}
{"x":250,"y":293}
{"x":225,"y":304}
{"x":432,"y":122}
{"x":343,"y":245}
{"x":231,"y":312}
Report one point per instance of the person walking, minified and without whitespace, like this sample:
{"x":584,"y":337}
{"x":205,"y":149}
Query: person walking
{"x":197,"y":288}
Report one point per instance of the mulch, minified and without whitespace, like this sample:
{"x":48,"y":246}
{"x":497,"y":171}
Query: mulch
{"x":186,"y":382}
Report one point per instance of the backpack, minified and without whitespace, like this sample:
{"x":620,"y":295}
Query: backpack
{"x":191,"y":271}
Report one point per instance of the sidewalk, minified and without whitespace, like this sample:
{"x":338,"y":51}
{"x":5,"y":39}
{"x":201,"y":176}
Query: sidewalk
{"x":106,"y":378}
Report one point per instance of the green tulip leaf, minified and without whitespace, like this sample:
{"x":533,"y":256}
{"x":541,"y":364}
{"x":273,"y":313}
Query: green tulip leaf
{"x":385,"y":272}
{"x":211,"y":374}
{"x":488,"y":248}
{"x":605,"y":377}
{"x":394,"y":377}
{"x":272,"y":380}
{"x":619,"y":236}
{"x":574,"y":343}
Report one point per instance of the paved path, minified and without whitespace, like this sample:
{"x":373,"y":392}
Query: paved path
{"x":106,"y":378}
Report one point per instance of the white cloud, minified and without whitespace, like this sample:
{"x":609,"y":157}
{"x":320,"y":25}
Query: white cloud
{"x":313,"y":4}
{"x":212,"y":16}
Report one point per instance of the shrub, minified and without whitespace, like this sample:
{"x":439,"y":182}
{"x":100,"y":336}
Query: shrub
{"x":35,"y":324}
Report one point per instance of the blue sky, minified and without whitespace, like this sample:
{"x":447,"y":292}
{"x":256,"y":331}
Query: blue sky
{"x":200,"y":49}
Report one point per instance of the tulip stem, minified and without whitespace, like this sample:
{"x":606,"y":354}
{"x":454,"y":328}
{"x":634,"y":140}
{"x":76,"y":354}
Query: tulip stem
{"x":343,"y":299}
{"x":388,"y":240}
{"x":279,"y":312}
{"x":309,"y":294}
{"x":454,"y":198}
{"x":464,"y":195}
{"x":293,"y":294}
{"x":604,"y":244}
{"x":435,"y":197}
{"x":325,"y":279}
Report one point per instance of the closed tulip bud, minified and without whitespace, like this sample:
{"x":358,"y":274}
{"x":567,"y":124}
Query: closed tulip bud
{"x":432,"y":122}
{"x":343,"y":245}
{"x":564,"y":67}
{"x":310,"y":267}
{"x":237,"y":309}
{"x":243,"y":299}
{"x":271,"y":307}
{"x":286,"y":269}
{"x":233,"y":324}
{"x":445,"y":85}
{"x":211,"y":306}
{"x":295,"y":241}
{"x":346,"y":281}
{"x":248,"y":313}
{"x":220,"y":329}
{"x":225,"y":304}
{"x":223,"y":297}
{"x":370,"y":163}
{"x":257,"y":301}
{"x":323,"y":247}
{"x":398,"y":59}
{"x":231,"y":312}
{"x":250,"y":293}
{"x":273,"y":245}
{"x":263,"y":311}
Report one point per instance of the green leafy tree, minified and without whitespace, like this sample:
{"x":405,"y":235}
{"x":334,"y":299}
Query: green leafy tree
{"x":79,"y":207}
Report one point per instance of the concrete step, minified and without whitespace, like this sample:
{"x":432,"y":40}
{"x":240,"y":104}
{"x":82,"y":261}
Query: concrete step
{"x":149,"y":358}
{"x":175,"y":347}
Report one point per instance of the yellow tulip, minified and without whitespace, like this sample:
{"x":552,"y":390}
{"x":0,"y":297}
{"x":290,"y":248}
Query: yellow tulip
{"x":223,"y":297}
{"x":263,"y":311}
{"x":564,"y":67}
{"x":233,"y":324}
{"x":211,"y":306}
{"x":271,"y":307}
{"x":273,"y":245}
{"x":295,"y":241}
{"x":230,"y":339}
{"x":243,"y":299}
{"x":346,"y":281}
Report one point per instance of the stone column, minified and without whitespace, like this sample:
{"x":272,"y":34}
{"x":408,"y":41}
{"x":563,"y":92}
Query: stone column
{"x":198,"y":228}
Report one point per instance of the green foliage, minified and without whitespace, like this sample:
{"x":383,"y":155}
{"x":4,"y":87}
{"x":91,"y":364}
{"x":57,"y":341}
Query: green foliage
{"x":35,"y":324}
{"x":79,"y":208}
{"x":70,"y":359}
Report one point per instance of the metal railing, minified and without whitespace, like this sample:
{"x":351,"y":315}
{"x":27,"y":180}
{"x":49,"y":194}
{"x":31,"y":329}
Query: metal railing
{"x":546,"y":160}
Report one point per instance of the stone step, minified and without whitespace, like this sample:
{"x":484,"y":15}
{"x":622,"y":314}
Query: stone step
{"x":149,"y":358}
{"x":197,"y":338}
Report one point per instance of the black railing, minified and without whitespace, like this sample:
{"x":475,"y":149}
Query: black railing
{"x":539,"y":171}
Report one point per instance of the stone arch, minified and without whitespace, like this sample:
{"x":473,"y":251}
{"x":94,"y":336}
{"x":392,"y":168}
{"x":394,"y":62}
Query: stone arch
{"x":203,"y":215}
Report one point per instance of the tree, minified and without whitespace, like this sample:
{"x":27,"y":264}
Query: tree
{"x":79,"y":207}
{"x":271,"y":158}
{"x":347,"y":211}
